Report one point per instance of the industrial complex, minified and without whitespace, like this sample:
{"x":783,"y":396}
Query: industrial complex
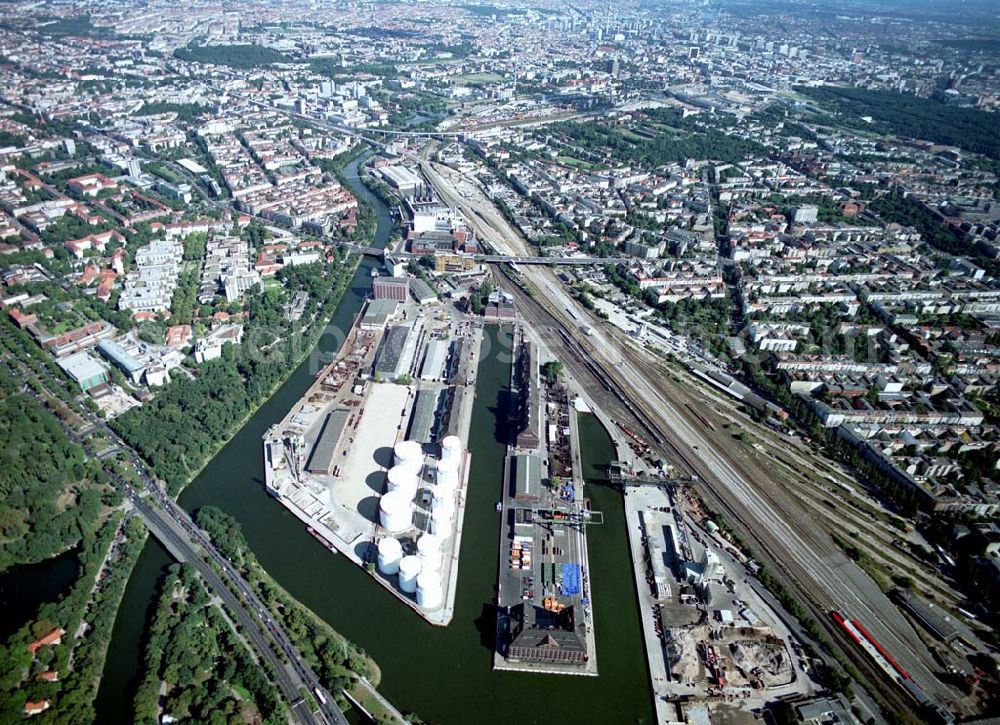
{"x":545,"y":620}
{"x":373,"y":458}
{"x":709,"y":632}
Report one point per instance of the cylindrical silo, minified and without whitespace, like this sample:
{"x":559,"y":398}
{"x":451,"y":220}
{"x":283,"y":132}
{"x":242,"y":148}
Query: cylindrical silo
{"x":390,"y":551}
{"x":448,"y":464}
{"x":394,"y":510}
{"x":407,"y":451}
{"x":447,"y":474}
{"x":429,"y":551}
{"x":409,"y":568}
{"x":441,"y":523}
{"x":429,"y":590}
{"x":409,"y":490}
{"x":451,"y":448}
{"x":402,"y":476}
{"x":446,"y":506}
{"x":442,"y":517}
{"x":444,"y":493}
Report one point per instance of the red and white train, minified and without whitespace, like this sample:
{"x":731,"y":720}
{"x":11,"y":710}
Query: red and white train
{"x":864,"y":639}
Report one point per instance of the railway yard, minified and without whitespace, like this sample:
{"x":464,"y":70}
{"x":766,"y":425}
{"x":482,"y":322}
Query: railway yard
{"x":776,"y":508}
{"x":373,"y":458}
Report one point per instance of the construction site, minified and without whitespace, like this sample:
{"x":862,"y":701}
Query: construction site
{"x":711,"y":634}
{"x":730,"y":658}
{"x":373,"y":458}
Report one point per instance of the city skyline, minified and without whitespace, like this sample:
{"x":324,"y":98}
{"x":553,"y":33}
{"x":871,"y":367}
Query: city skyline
{"x":603,"y":363}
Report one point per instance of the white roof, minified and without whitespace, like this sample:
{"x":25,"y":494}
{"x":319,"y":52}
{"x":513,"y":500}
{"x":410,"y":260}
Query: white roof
{"x":82,"y":366}
{"x":193,"y":166}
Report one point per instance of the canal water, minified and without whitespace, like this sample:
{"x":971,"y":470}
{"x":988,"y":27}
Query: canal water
{"x":444,"y":675}
{"x":123,"y":664}
{"x":26,"y":587}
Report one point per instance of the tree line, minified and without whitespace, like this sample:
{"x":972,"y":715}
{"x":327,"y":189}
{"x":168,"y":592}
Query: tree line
{"x":334,"y":659}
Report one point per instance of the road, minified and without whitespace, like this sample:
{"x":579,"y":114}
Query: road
{"x":169,"y":523}
{"x":179,"y":538}
{"x":172,"y":525}
{"x":774,"y":523}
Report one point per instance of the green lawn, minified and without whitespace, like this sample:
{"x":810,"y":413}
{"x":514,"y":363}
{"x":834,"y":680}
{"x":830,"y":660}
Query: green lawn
{"x":479,"y":78}
{"x":576,"y":163}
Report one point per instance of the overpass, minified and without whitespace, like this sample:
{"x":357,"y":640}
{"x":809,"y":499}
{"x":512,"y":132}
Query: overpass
{"x":548,"y":261}
{"x":493,"y":258}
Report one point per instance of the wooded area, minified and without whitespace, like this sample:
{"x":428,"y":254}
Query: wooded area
{"x":48,"y":497}
{"x":234,"y":56}
{"x":683,"y":140}
{"x":206,"y":670}
{"x":79,"y":662}
{"x":908,"y":115}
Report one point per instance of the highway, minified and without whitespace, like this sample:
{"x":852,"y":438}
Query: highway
{"x":186,"y":544}
{"x":631,"y":385}
{"x":172,"y":526}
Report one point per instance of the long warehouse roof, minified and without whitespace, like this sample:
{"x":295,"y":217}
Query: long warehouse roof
{"x":323,"y":453}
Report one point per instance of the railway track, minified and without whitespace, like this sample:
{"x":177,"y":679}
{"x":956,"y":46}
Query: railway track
{"x":590,"y":371}
{"x":638,"y":391}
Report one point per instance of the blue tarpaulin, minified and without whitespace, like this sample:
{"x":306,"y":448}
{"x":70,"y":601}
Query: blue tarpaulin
{"x":570,"y":579}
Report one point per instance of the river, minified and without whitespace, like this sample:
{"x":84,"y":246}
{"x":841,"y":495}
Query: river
{"x":444,"y":675}
{"x":26,"y":587}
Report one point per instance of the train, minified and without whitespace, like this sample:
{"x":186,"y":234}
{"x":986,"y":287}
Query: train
{"x":705,"y":421}
{"x":888,"y":664}
{"x":863,"y":638}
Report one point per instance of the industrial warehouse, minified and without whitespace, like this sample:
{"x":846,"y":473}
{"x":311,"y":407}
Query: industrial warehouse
{"x":544,"y":614}
{"x":373,"y":458}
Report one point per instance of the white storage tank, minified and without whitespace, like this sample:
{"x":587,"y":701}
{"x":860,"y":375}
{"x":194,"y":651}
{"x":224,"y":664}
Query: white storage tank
{"x":429,"y":551}
{"x":394,"y":511}
{"x":409,"y":568}
{"x":444,"y":493}
{"x":403,"y":476}
{"x":442,"y":517}
{"x":447,"y":476}
{"x":407,"y":451}
{"x":390,"y":551}
{"x":451,"y":449}
{"x":409,"y":491}
{"x":445,"y":506}
{"x":429,"y":590}
{"x":441,"y":525}
{"x":448,"y":464}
